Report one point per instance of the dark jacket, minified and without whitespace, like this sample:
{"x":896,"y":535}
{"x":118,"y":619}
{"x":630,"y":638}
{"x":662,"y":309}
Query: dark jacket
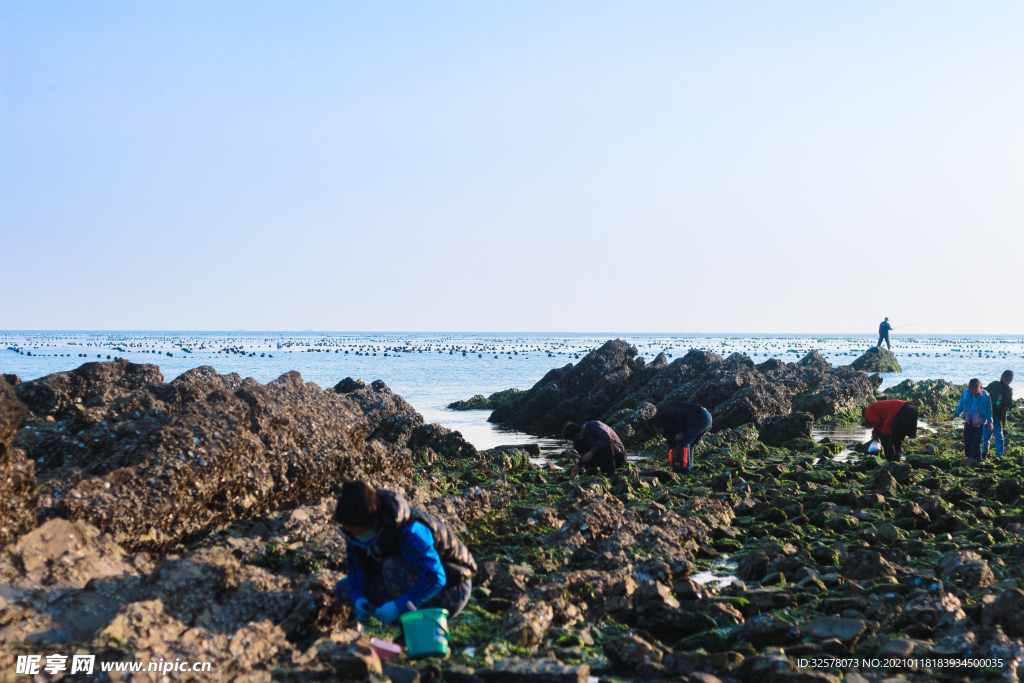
{"x":884,"y":328}
{"x":675,"y":417}
{"x":597,"y":435}
{"x":1002,"y":398}
{"x":395,"y":514}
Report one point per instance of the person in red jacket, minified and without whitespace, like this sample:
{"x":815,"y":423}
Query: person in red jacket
{"x":891,"y":422}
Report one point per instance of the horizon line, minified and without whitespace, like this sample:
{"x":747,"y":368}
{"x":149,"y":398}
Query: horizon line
{"x":499,"y":332}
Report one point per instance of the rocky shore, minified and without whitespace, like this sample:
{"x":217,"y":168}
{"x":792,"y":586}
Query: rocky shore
{"x":877,"y":359}
{"x":192,"y":521}
{"x":615,"y":385}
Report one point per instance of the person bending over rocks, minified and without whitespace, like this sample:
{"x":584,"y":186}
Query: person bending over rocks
{"x":398,"y":557}
{"x":600,"y":448}
{"x":1002,"y":399}
{"x":976,"y":407}
{"x":683,"y":425}
{"x":891,"y":422}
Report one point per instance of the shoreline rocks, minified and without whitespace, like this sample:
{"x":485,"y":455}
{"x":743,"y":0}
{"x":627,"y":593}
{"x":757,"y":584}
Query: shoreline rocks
{"x":934,"y":397}
{"x":765,"y":556}
{"x":18,"y":498}
{"x":614,"y":385}
{"x":393,"y":420}
{"x":156,"y":462}
{"x":492,"y":402}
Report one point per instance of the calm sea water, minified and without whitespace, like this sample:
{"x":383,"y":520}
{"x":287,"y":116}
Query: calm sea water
{"x":432,"y":370}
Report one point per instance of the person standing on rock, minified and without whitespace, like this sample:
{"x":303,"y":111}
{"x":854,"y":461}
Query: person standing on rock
{"x":883,"y":334}
{"x":600,"y":448}
{"x":398,"y":557}
{"x":976,"y":407}
{"x":891,"y":422}
{"x":1002,"y":399}
{"x":683,"y":424}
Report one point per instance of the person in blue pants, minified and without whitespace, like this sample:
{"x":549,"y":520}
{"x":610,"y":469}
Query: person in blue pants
{"x":1002,"y":400}
{"x":398,"y":558}
{"x":683,"y":424}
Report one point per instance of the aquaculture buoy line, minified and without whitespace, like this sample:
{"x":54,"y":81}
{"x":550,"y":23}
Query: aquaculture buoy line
{"x":518,"y":358}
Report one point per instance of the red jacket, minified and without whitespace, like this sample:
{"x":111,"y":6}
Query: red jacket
{"x":881,"y":415}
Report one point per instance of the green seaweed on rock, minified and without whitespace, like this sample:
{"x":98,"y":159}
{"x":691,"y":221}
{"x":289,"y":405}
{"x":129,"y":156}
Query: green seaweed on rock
{"x":789,"y":522}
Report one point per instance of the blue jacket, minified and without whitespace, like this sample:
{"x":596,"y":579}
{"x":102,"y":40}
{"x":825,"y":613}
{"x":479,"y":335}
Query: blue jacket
{"x":968,"y":403}
{"x":417,"y":546}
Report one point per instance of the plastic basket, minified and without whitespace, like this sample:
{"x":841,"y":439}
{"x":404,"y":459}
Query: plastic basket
{"x":426,"y":633}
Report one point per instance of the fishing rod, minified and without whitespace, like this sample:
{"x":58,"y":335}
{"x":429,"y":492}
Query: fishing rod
{"x":909,"y":324}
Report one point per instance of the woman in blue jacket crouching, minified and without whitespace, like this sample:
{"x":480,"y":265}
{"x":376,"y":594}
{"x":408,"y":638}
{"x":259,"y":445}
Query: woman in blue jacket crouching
{"x":399,"y":558}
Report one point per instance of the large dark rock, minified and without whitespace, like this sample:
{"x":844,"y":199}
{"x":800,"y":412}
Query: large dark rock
{"x":1007,"y":611}
{"x":612,"y":384}
{"x":815,"y":360}
{"x":526,"y":628}
{"x":698,"y":359}
{"x":877,"y":359}
{"x":575,"y":392}
{"x":778,"y":429}
{"x":66,"y":583}
{"x":348,"y":385}
{"x":966,"y":567}
{"x":932,"y":610}
{"x":391,"y":417}
{"x":865,"y":563}
{"x":632,"y":653}
{"x":17,"y":474}
{"x":767,"y":631}
{"x":12,"y":411}
{"x":933,"y":396}
{"x":394,"y":420}
{"x":518,"y":670}
{"x":154,"y":463}
{"x":89,"y":386}
{"x":848,"y":631}
{"x":672,"y":623}
{"x":492,"y":402}
{"x":1009,"y":489}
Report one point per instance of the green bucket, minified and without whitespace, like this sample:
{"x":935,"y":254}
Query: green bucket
{"x":426,"y":633}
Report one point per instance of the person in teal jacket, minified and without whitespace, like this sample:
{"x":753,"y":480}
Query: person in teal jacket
{"x":976,"y":407}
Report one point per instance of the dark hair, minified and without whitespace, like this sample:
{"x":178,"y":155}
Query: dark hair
{"x":357,"y":505}
{"x":974,"y":384}
{"x":571,"y":430}
{"x":1007,"y":375}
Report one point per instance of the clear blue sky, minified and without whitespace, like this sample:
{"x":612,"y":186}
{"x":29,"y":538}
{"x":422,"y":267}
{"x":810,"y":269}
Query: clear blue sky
{"x":534,"y":166}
